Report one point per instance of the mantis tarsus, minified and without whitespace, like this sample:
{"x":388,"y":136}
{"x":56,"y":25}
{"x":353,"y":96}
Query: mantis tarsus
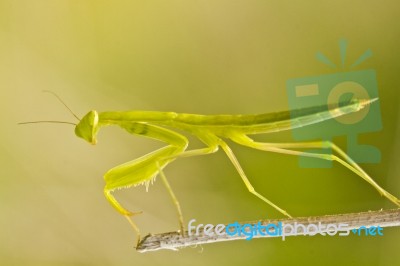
{"x":211,"y":130}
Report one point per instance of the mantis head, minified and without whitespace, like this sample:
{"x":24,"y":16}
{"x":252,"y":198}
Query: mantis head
{"x":88,"y":127}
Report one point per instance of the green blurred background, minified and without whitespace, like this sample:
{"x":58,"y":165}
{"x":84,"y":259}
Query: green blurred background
{"x":205,"y":57}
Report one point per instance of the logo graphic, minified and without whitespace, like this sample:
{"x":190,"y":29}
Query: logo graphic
{"x":334,"y":89}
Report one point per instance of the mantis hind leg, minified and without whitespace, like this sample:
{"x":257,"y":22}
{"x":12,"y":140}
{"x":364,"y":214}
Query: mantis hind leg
{"x":346,"y":161}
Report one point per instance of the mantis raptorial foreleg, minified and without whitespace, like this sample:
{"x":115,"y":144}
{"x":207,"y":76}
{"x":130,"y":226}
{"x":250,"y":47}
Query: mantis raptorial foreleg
{"x":144,"y":169}
{"x":346,"y":161}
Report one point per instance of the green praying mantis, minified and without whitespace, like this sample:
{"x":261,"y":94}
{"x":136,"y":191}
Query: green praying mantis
{"x":212,"y":130}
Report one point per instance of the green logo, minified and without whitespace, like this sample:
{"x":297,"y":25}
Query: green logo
{"x":333,"y":89}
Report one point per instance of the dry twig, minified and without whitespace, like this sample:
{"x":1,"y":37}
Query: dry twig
{"x":174,"y":240}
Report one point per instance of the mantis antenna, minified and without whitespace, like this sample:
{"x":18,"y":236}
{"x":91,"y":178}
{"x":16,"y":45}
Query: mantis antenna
{"x":66,"y":106}
{"x":47,"y":121}
{"x":51,"y":121}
